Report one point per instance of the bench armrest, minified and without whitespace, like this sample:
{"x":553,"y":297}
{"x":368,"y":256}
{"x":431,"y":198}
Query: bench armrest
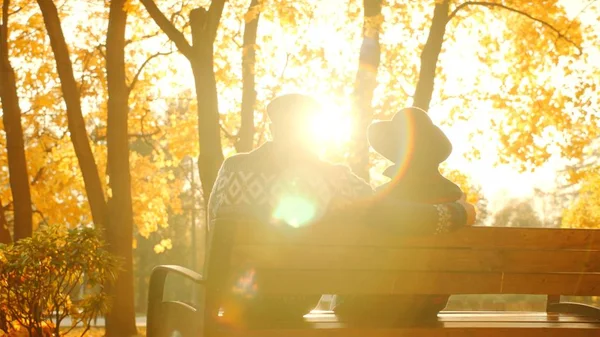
{"x":179,"y":270}
{"x":156,"y":291}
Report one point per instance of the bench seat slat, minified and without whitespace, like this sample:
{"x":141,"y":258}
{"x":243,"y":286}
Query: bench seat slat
{"x":475,"y":237}
{"x":386,"y":282}
{"x":415,"y":259}
{"x":513,"y":316}
{"x":448,"y":324}
{"x":562,"y":330}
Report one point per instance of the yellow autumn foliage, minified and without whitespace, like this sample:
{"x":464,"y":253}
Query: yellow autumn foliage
{"x":529,"y":68}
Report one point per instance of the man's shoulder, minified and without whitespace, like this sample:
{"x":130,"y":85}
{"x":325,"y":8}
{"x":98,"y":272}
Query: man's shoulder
{"x":255,"y":159}
{"x":236,"y":159}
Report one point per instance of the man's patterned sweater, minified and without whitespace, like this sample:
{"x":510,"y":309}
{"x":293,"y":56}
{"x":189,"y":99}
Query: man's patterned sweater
{"x":274,"y":185}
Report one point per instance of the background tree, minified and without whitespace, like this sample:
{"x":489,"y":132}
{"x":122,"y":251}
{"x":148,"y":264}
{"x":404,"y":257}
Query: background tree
{"x":585,"y":209}
{"x":119,"y":233}
{"x":204,"y":24}
{"x":76,"y":122}
{"x":5,"y":236}
{"x":11,"y":116}
{"x":517,"y":213}
{"x":365,"y":84}
{"x":245,"y":141}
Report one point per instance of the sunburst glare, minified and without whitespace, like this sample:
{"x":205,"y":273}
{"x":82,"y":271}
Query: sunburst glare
{"x":332,"y":126}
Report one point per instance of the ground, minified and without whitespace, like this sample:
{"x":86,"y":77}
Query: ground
{"x":99,"y":332}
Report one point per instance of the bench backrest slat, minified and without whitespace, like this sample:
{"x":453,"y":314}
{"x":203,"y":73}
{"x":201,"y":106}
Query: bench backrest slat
{"x":388,"y":283}
{"x":415,"y":259}
{"x":345,"y":234}
{"x":356,"y":259}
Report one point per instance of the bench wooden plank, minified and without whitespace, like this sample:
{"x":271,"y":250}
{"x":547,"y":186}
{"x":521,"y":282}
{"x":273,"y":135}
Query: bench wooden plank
{"x":414,"y":259}
{"x":342,"y":258}
{"x":512,"y":316}
{"x":449,"y":324}
{"x":574,"y":330}
{"x":474,"y":237}
{"x":387,"y":282}
{"x":482,"y":316}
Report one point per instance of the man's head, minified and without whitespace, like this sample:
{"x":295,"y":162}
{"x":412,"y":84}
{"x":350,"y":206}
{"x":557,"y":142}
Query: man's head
{"x":292,"y":117}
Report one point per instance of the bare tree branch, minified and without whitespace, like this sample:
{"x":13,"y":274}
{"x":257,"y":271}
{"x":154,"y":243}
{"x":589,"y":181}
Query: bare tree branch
{"x":142,"y":38}
{"x":141,"y":68}
{"x":38,"y":176}
{"x":101,"y":49}
{"x":16,"y":11}
{"x":520,"y":12}
{"x":575,"y":18}
{"x":168,"y":28}
{"x":227,"y":133}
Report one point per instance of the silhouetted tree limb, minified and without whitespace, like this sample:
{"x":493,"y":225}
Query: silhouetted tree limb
{"x":168,"y":28}
{"x":518,"y":11}
{"x":430,"y":55}
{"x":141,"y":68}
{"x":245,"y":141}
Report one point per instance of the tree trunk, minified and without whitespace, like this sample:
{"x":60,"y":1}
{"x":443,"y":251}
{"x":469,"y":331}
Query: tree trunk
{"x":142,"y":272}
{"x":364,"y":86}
{"x":15,"y":145}
{"x":245,"y":142}
{"x":209,"y":131}
{"x":76,"y":122}
{"x":204,"y":26}
{"x":4,"y":232}
{"x":119,"y":233}
{"x":430,"y":55}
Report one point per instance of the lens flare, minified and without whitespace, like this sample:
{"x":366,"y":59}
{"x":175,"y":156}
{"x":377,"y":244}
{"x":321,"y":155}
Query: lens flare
{"x":404,"y":147}
{"x":296,"y":211}
{"x":246,"y":285}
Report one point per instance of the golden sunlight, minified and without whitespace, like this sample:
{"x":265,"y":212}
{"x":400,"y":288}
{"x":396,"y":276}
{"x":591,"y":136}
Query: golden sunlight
{"x":333,"y":125}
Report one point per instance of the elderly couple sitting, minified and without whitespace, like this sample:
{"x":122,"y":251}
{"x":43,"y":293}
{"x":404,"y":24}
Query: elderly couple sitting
{"x":284,"y":181}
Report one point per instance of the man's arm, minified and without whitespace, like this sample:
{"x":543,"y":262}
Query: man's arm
{"x":217,"y":196}
{"x":405,"y":217}
{"x":414,"y":218}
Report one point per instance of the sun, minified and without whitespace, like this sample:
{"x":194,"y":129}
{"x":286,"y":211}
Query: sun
{"x":332,"y":126}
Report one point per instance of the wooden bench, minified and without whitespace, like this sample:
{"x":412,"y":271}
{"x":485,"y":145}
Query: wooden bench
{"x":358,"y":259}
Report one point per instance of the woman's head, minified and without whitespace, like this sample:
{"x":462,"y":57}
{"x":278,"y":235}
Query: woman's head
{"x":410,"y":138}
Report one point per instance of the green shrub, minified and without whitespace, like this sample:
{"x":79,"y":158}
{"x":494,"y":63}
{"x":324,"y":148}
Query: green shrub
{"x":38,"y":276}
